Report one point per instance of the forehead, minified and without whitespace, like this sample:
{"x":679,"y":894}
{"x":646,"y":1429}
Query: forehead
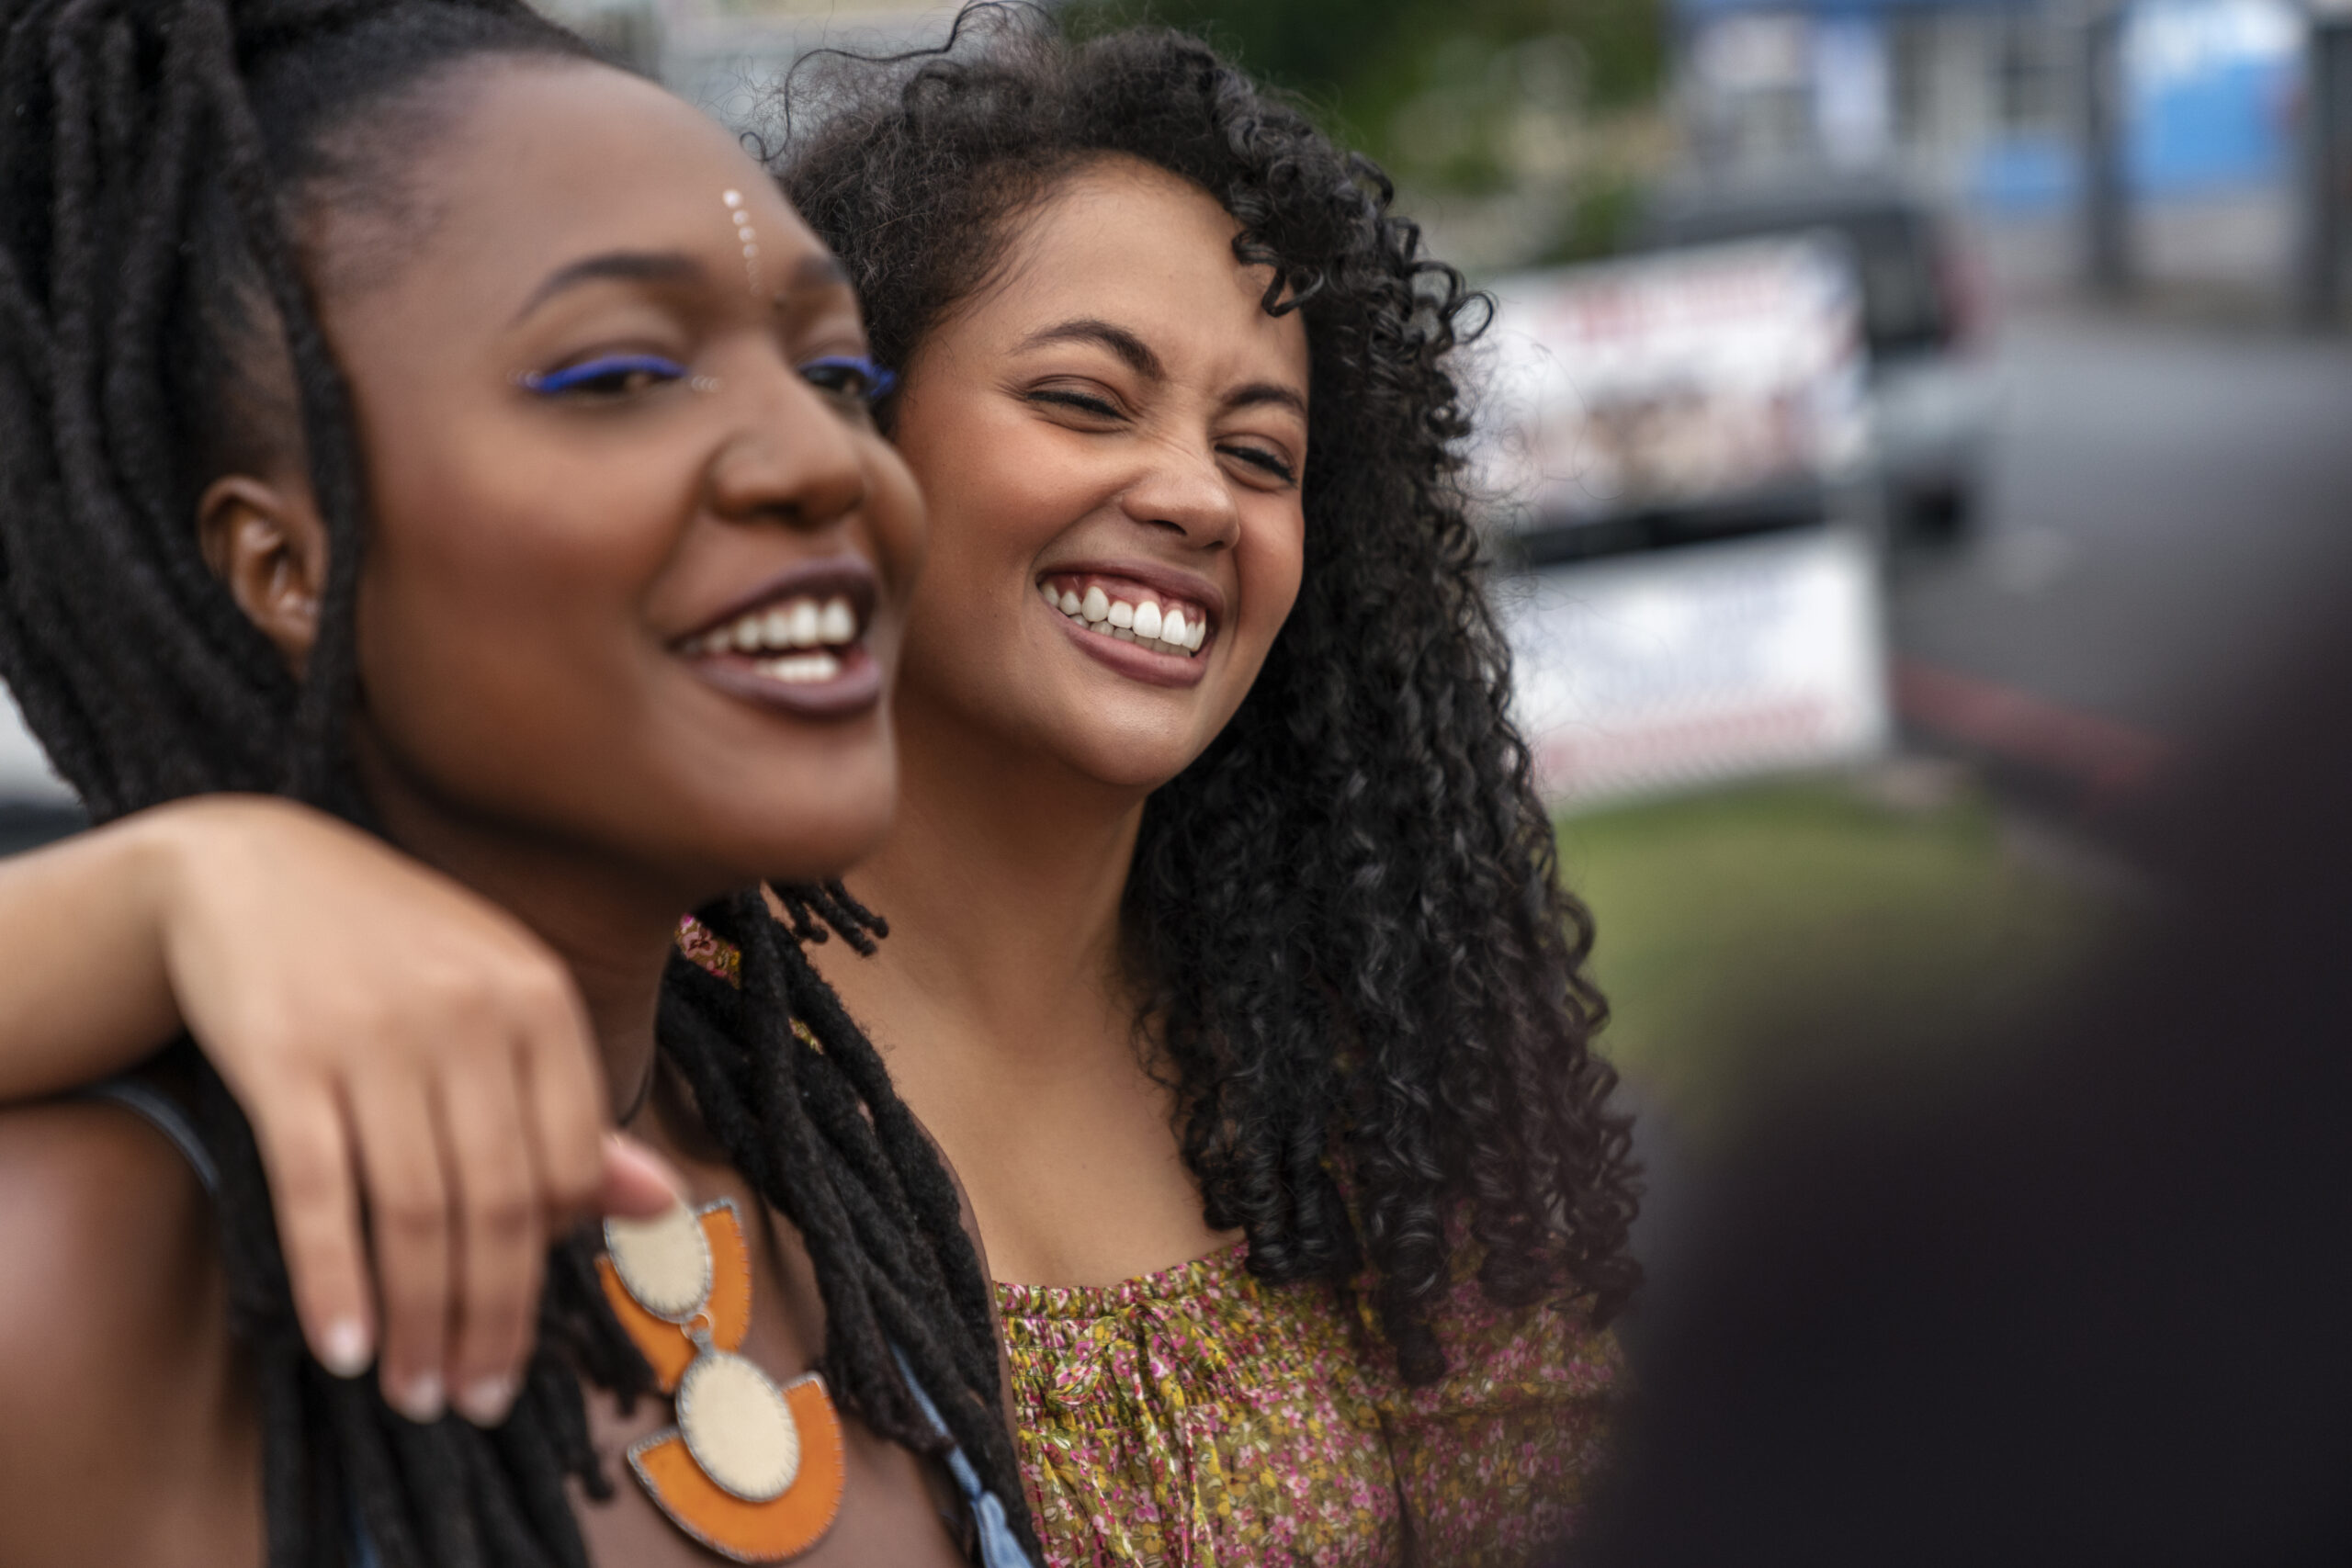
{"x":539,"y":162}
{"x":1122,"y":241}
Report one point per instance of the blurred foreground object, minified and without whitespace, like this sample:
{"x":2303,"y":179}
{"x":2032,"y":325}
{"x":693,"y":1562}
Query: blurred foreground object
{"x":2089,"y":1310}
{"x":1676,"y":441}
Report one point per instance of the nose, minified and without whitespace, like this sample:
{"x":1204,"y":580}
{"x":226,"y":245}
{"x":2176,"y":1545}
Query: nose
{"x":1187,"y":492}
{"x":794,"y":460}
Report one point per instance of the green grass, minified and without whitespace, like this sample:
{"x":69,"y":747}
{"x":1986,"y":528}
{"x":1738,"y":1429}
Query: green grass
{"x":1729,"y":922}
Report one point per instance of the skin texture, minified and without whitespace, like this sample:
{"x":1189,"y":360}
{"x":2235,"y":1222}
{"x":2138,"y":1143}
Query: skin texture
{"x":1000,"y":997}
{"x":534,"y":729}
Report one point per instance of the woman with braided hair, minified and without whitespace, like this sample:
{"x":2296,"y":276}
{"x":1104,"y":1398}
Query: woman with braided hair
{"x":394,"y":400}
{"x":1229,"y":961}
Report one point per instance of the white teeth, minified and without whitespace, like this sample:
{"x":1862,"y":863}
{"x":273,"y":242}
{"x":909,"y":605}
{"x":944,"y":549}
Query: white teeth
{"x":801,"y":668}
{"x":1163,"y":628}
{"x":801,"y":624}
{"x":1051,"y":597}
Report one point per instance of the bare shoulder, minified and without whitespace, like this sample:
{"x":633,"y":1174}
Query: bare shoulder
{"x":126,"y":1427}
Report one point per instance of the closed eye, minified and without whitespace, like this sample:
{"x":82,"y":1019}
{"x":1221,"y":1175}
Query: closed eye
{"x":1258,"y":458}
{"x":1099,"y":408}
{"x":608,"y":375}
{"x":850,"y":376}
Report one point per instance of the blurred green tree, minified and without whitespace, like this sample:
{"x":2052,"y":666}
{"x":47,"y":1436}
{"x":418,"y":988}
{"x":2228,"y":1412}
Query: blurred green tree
{"x":1471,"y":95}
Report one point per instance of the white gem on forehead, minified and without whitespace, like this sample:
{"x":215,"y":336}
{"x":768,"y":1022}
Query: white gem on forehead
{"x":747,"y":235}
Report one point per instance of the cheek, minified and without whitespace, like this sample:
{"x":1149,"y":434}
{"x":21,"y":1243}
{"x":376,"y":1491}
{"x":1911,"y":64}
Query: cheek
{"x":899,"y":518}
{"x":1271,"y":561}
{"x":522,"y":598}
{"x":999,"y":493}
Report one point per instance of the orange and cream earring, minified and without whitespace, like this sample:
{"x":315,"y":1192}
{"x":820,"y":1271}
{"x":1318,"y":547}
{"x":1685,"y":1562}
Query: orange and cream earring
{"x":752,"y":1470}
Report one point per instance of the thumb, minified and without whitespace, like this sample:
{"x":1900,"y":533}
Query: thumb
{"x":638,"y":1184}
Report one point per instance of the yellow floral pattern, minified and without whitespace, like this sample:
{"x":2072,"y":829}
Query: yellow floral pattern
{"x":1196,"y":1419}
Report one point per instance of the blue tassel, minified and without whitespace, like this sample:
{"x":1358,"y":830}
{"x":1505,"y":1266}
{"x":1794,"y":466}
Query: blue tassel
{"x":1000,"y":1547}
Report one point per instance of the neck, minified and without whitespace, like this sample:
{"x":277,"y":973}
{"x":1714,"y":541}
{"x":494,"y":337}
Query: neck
{"x":611,"y":926}
{"x":1001,"y":879}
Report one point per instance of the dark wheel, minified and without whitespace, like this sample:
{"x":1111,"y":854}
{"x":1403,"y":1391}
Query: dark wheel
{"x":1941,"y":512}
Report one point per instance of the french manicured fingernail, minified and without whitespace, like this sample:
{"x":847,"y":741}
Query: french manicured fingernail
{"x":485,"y":1401}
{"x":345,"y":1349}
{"x":422,"y":1399}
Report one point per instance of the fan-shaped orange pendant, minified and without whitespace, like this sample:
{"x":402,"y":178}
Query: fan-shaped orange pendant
{"x":703,"y":1495}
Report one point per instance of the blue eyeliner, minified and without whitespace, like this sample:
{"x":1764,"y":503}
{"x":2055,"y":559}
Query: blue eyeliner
{"x":879,"y":381}
{"x":551,"y":382}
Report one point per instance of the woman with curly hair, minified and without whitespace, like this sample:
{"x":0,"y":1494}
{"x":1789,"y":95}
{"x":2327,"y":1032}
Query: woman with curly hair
{"x":1230,"y":967}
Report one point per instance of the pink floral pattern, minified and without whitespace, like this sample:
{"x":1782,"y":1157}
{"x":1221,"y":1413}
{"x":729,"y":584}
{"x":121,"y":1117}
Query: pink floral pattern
{"x":1198,"y":1417}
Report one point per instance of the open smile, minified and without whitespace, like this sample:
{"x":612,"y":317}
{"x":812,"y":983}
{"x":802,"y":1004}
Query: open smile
{"x":1151,"y":631}
{"x":796,"y":643}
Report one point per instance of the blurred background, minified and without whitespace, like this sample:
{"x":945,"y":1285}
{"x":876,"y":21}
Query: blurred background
{"x":1911,"y":423}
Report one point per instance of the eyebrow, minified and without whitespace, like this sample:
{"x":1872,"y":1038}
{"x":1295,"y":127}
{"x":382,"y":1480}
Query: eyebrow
{"x":1117,"y":339}
{"x":1258,"y":393}
{"x":622,"y":266}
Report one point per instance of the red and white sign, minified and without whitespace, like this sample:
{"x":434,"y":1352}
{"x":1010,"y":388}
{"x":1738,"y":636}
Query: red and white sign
{"x":1683,"y":377}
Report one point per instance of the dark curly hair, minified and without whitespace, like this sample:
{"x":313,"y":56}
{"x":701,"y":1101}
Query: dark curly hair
{"x":1361,"y":969}
{"x":157,"y":330}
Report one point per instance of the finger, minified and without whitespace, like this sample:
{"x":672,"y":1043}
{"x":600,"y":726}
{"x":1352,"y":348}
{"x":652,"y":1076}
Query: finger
{"x":307,"y":1155}
{"x":638,"y":1184}
{"x":407,"y":1193}
{"x":565,"y":1098}
{"x":501,"y":1242}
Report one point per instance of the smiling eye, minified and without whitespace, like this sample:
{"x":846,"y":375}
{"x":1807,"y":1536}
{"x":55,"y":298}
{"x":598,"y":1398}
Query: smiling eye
{"x":613,"y":376}
{"x":1264,"y":461}
{"x":850,"y":375}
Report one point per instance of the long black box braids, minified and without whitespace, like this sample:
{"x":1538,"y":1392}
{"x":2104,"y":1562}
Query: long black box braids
{"x":153,"y":157}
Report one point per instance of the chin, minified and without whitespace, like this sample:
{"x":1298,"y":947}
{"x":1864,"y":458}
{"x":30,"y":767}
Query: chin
{"x":1119,"y":763}
{"x":800,"y":824}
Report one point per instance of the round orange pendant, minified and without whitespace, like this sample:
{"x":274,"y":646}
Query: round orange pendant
{"x":762,"y":1514}
{"x":774,"y":1531}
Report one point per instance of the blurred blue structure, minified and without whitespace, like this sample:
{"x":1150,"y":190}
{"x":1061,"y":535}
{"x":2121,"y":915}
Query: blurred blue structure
{"x":1982,"y":100}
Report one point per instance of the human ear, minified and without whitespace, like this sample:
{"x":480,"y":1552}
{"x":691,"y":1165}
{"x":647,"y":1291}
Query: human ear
{"x":267,"y":544}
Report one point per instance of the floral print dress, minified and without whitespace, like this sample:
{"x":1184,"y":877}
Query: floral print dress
{"x":1197,"y":1418}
